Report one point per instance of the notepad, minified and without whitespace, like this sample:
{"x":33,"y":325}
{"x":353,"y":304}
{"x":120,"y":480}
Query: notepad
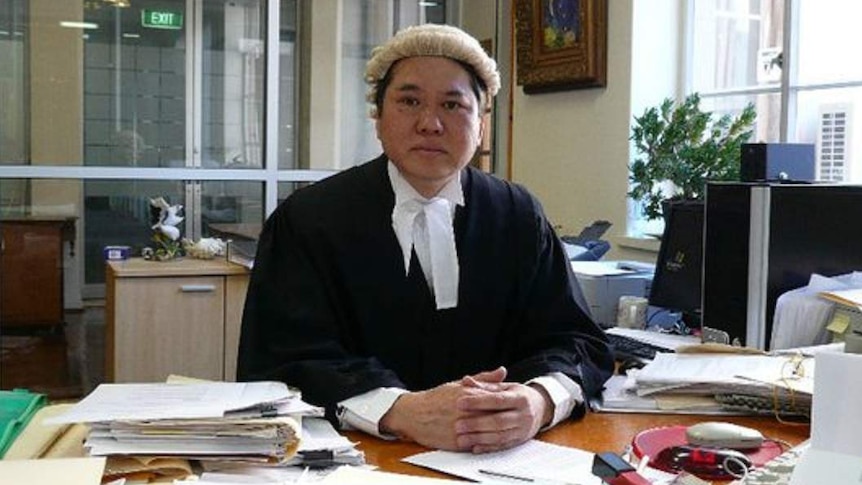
{"x":534,"y":459}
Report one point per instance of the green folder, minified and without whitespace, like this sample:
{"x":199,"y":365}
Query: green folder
{"x":16,"y":409}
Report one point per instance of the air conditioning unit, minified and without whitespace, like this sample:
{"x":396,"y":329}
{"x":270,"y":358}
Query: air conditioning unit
{"x":834,"y":136}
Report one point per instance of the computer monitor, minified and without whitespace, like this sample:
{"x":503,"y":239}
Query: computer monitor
{"x":764,"y":239}
{"x":676,"y":285}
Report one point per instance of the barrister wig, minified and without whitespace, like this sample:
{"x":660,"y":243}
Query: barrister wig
{"x":432,"y":40}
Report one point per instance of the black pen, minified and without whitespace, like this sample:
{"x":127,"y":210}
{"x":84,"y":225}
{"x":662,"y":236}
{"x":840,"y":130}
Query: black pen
{"x":505,"y":475}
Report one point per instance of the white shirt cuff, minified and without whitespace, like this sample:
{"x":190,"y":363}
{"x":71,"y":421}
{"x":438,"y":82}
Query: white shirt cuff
{"x":565,"y":394}
{"x":364,"y":412}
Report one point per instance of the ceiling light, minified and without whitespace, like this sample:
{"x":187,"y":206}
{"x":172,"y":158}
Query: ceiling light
{"x":78,"y":25}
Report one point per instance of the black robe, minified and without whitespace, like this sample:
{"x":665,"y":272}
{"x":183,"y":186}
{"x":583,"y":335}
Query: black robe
{"x":330,"y":311}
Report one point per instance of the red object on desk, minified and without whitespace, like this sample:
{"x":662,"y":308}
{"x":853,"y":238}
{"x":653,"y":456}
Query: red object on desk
{"x":651,"y":442}
{"x":630,"y":478}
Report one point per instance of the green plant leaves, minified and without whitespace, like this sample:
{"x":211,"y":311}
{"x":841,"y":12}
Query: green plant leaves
{"x":681,"y":144}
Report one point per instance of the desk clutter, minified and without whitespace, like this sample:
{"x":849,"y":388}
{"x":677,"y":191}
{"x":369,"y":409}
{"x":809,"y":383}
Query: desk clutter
{"x":714,"y":379}
{"x":170,"y":431}
{"x":673,"y":449}
{"x":129,"y":416}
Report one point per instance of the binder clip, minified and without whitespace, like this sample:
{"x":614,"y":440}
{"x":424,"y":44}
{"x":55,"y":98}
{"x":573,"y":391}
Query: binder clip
{"x":317,"y":458}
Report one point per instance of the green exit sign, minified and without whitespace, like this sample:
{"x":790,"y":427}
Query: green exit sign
{"x":161,"y":19}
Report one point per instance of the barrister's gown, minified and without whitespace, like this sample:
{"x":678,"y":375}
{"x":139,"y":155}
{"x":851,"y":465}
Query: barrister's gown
{"x":331,"y":311}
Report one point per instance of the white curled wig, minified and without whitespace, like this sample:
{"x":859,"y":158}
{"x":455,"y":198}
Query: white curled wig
{"x":431,"y":40}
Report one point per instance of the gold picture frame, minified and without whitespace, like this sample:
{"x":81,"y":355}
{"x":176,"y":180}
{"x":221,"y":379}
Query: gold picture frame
{"x":561,"y":44}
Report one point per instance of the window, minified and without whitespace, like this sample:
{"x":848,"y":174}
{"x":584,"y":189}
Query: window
{"x":101,"y":95}
{"x":112,"y":103}
{"x":795,"y":61}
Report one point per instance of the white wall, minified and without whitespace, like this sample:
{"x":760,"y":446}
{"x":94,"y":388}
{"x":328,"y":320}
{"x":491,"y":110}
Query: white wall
{"x":571,"y":148}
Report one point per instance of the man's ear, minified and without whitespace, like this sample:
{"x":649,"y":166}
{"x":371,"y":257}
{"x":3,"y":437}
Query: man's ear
{"x":483,"y":125}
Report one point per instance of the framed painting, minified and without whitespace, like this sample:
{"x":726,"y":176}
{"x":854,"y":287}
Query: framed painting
{"x":561,"y":44}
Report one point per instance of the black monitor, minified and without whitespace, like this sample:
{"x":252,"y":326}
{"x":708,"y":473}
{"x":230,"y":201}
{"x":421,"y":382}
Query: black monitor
{"x":765,"y":239}
{"x":676,"y":284}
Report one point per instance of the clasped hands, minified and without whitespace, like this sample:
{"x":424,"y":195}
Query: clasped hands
{"x":479,"y":413}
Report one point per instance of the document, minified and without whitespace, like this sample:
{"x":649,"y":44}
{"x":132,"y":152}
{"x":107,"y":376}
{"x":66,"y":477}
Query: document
{"x":348,"y":475}
{"x":345,"y":475}
{"x":37,"y":437}
{"x":836,"y":426}
{"x":322,"y":445}
{"x":851,"y":297}
{"x":723,"y":373}
{"x":750,"y":384}
{"x":598,"y":268}
{"x":232,"y":421}
{"x":272,"y":437}
{"x":532,"y":461}
{"x":68,"y":471}
{"x":260,"y":475}
{"x":620,"y":396}
{"x":111,"y":402}
{"x":140,"y":468}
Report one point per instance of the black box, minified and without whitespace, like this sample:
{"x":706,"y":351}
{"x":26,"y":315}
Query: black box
{"x":775,"y":162}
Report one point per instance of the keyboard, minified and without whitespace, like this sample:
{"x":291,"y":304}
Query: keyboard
{"x":776,"y":471}
{"x":624,"y":346}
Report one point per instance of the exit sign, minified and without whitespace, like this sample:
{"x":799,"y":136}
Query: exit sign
{"x":161,"y":19}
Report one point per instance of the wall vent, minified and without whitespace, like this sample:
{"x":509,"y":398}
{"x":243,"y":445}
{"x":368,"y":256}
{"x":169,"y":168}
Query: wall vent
{"x":833,"y":143}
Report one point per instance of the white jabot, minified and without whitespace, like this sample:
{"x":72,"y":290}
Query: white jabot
{"x":426,"y":225}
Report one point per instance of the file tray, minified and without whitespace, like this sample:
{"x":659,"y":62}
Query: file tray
{"x":16,"y":409}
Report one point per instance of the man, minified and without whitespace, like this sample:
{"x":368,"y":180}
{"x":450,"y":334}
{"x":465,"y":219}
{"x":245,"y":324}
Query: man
{"x":414,"y":296}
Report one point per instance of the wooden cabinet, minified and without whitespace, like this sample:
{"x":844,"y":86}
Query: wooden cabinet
{"x":178,"y":317}
{"x":31,"y":271}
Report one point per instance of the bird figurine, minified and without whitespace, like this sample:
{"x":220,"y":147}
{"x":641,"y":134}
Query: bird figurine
{"x":164,"y":218}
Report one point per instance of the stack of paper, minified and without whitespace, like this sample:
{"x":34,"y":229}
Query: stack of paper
{"x":322,"y":446}
{"x":620,"y":396}
{"x":776,"y":382}
{"x":254,"y":421}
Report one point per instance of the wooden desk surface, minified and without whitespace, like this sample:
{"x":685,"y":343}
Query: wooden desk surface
{"x":597,"y":432}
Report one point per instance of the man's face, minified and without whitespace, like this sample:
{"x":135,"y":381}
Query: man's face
{"x":429,"y":124}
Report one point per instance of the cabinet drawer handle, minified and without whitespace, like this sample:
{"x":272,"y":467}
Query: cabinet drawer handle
{"x":197,"y":288}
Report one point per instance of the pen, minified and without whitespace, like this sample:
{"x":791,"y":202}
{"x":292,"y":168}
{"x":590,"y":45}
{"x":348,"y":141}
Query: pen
{"x":505,"y":475}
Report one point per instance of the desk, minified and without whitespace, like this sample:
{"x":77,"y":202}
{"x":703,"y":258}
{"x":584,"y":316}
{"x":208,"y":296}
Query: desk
{"x":597,"y":432}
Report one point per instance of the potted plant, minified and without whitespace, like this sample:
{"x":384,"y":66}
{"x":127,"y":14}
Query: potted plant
{"x":680,"y":147}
